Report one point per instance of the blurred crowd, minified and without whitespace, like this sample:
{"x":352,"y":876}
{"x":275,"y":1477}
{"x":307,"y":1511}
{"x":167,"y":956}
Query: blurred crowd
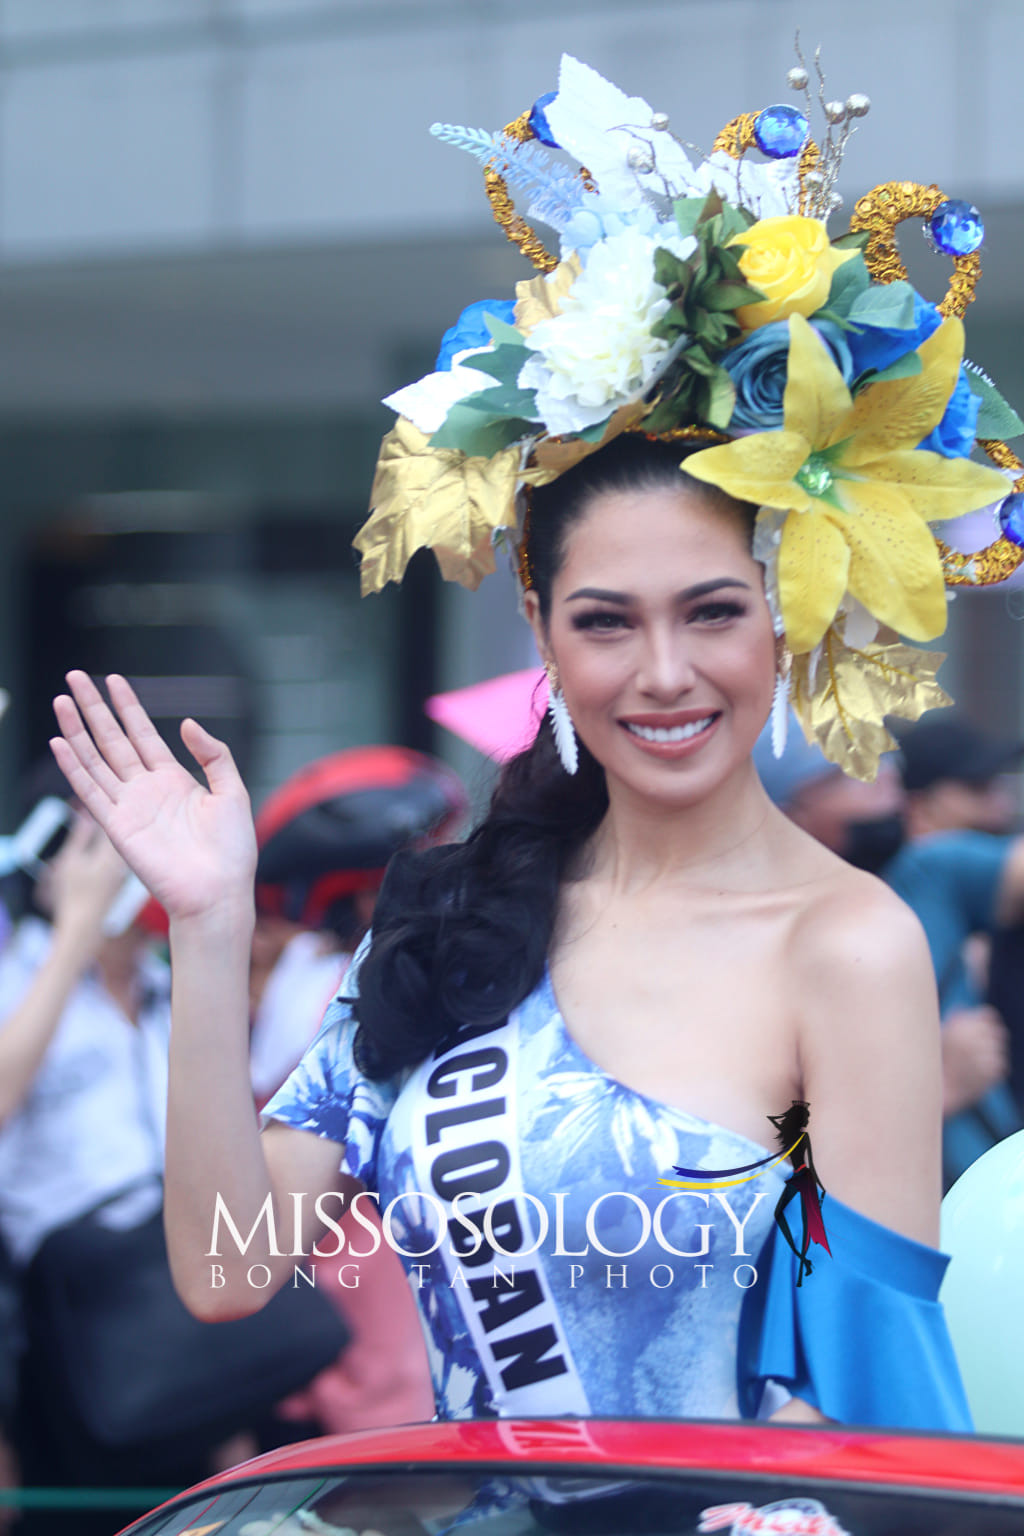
{"x":84,"y":1021}
{"x":939,"y":825}
{"x":104,"y":1378}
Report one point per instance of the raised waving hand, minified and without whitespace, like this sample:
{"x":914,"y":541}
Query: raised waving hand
{"x":192,"y":846}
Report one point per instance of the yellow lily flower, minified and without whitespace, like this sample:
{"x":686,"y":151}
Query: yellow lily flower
{"x":858,"y":490}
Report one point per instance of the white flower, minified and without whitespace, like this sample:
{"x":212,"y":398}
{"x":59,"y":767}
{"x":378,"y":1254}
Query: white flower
{"x":767,"y":190}
{"x":598,"y":353}
{"x":427,"y":402}
{"x":598,"y":218}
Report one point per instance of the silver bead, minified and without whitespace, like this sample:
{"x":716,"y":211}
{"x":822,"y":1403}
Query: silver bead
{"x":797,"y":78}
{"x":835,"y":112}
{"x":659,"y":121}
{"x":858,"y":105}
{"x":640,"y":159}
{"x":835,"y":201}
{"x":815,"y":179}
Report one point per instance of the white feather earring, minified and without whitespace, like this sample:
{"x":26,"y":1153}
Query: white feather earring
{"x":561,"y":723}
{"x":780,"y":699}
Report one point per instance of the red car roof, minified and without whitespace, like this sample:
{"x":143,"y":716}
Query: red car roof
{"x":945,"y":1463}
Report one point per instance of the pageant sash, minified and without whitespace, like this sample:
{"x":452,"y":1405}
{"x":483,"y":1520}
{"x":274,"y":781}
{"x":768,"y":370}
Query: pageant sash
{"x":466,"y":1155}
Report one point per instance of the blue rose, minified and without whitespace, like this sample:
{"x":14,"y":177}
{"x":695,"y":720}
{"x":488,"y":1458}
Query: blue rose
{"x":954,"y":436}
{"x":876,"y":346}
{"x":757,"y":367}
{"x":470,"y":329}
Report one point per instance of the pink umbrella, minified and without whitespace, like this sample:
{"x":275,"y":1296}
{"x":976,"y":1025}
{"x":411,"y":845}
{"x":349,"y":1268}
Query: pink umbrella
{"x":499,"y":717}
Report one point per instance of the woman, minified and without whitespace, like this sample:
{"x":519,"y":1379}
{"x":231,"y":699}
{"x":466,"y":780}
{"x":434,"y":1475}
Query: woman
{"x":711,"y":963}
{"x":635,"y":962}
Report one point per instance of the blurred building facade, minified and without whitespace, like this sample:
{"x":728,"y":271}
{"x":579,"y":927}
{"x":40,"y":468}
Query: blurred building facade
{"x":225,"y":233}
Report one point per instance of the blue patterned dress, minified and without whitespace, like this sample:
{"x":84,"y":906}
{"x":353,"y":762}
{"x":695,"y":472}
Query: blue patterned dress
{"x":672,"y":1303}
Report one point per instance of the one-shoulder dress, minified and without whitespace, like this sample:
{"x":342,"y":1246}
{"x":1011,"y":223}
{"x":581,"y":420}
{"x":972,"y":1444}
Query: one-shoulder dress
{"x":556,"y":1275}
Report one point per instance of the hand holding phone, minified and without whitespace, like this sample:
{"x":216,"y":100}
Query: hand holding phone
{"x":82,"y":884}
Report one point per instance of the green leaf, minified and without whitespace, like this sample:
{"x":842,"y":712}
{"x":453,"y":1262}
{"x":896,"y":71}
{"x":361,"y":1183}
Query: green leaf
{"x":660,"y":418}
{"x":503,"y":364}
{"x":729,"y":264}
{"x":854,"y":239}
{"x":672,"y":325}
{"x":731,"y":221}
{"x":595,"y":433}
{"x":997,"y":418}
{"x":669,"y":270}
{"x":720,"y":399}
{"x":885,"y":304}
{"x":848,"y":282}
{"x":715,"y":331}
{"x":723,"y":295}
{"x":699,"y":268}
{"x":904,"y":367}
{"x":697,"y":360}
{"x":837,"y":320}
{"x":503,"y":333}
{"x":689,"y":212}
{"x":671,"y":409}
{"x":503,"y":400}
{"x":475,"y":434}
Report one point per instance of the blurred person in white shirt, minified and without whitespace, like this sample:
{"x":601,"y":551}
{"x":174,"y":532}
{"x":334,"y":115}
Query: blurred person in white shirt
{"x":325,"y":838}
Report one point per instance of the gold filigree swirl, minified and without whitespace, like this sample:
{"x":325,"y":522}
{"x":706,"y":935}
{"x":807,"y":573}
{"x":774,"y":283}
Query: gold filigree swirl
{"x":738,"y":136}
{"x":503,"y":208}
{"x":879,"y":212}
{"x":1000,"y":558}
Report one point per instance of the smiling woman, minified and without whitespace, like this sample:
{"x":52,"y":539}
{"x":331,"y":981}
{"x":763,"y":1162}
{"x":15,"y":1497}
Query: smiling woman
{"x":643,"y":666}
{"x":625,"y":968}
{"x":635,"y":962}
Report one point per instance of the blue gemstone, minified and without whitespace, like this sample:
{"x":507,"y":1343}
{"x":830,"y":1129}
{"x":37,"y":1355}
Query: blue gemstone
{"x":1011,"y":517}
{"x":780,"y":131}
{"x":538,"y":120}
{"x":956,"y":228}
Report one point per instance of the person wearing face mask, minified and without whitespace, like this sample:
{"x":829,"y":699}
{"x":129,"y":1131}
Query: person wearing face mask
{"x":958,"y":883}
{"x":955,"y":776}
{"x":962,"y":870}
{"x":862,"y":822}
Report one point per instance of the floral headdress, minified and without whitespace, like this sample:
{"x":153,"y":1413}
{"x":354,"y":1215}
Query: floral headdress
{"x":706,"y":303}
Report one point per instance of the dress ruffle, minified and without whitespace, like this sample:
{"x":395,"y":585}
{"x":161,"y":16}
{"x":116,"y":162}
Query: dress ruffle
{"x":864,"y":1339}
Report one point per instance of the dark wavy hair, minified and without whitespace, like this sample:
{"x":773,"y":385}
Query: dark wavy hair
{"x":461,"y":933}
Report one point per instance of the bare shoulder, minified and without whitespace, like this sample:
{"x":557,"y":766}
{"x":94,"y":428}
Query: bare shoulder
{"x":853,"y":929}
{"x":863,"y":992}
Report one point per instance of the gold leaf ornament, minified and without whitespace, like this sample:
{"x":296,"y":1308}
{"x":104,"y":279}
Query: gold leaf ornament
{"x":439,"y":499}
{"x":552,"y":456}
{"x":843,"y":709}
{"x":540,"y":298}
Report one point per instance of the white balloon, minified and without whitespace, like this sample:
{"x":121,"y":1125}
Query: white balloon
{"x":983,"y":1290}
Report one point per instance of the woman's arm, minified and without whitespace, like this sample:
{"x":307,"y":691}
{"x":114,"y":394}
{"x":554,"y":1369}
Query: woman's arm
{"x":219,"y":1168}
{"x":869,"y":1041}
{"x":194,"y":847}
{"x":84,"y":879}
{"x":864,"y":995}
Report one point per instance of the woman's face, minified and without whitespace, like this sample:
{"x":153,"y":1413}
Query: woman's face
{"x":663,"y":640}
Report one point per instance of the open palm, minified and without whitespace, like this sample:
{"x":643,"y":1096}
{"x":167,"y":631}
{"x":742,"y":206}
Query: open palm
{"x":192,"y":846}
